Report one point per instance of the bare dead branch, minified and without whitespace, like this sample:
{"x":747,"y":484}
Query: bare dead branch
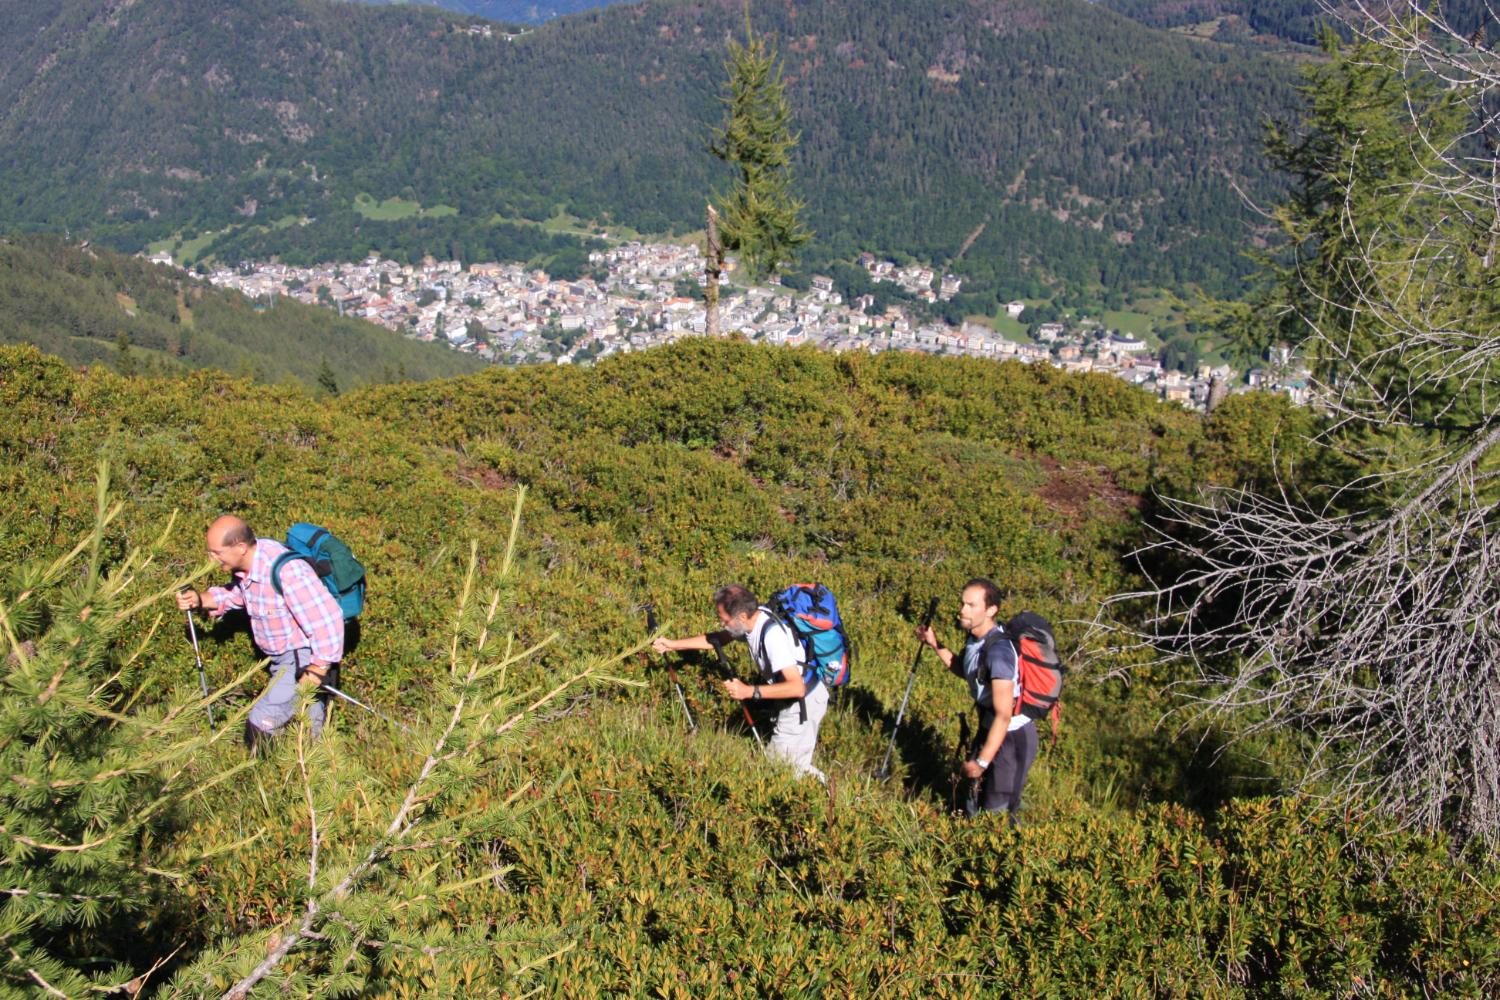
{"x":1367,"y":621}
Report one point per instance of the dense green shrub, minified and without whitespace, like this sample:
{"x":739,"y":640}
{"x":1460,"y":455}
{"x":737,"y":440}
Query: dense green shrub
{"x":636,"y":858}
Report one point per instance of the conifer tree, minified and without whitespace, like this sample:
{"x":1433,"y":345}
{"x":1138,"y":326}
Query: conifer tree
{"x":761,"y":217}
{"x":1357,"y":220}
{"x":1352,"y":609}
{"x":124,"y":359}
{"x":89,"y":781}
{"x":326,"y":379}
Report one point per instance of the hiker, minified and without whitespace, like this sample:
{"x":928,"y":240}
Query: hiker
{"x":1006,"y":742}
{"x":777,"y":652}
{"x":301,"y":629}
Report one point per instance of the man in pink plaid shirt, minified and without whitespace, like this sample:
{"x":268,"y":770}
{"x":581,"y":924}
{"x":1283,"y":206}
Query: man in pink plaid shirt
{"x":301,"y":630}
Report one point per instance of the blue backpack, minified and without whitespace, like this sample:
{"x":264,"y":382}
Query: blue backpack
{"x":331,"y":559}
{"x":812,"y":613}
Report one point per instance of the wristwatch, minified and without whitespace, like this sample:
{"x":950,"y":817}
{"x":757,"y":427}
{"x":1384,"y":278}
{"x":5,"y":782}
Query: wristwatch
{"x":755,"y":695}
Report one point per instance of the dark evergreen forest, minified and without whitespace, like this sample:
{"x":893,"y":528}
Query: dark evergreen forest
{"x":514,"y":11}
{"x":347,"y":235}
{"x":1082,"y":148}
{"x":1289,"y":20}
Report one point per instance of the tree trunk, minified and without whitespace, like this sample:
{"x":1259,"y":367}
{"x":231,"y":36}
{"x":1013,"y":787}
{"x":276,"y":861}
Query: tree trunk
{"x":713,"y":267}
{"x":1218,"y":391}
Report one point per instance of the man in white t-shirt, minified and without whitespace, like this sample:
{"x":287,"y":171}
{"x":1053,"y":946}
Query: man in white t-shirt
{"x":1005,"y":746}
{"x":800,"y":700}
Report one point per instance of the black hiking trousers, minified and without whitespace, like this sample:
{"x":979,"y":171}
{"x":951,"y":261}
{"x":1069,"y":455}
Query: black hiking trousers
{"x":1000,"y":788}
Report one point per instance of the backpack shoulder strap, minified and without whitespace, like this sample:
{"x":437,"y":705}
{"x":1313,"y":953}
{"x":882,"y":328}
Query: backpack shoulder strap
{"x":282,"y":560}
{"x":762,"y":660}
{"x":772,"y":618}
{"x":1000,"y":634}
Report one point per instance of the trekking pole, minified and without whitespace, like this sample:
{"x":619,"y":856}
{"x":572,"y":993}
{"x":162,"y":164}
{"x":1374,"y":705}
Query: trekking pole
{"x":749,"y":719}
{"x":957,"y":762}
{"x":971,"y":801}
{"x":202,"y":677}
{"x":355,"y":701}
{"x":671,"y":670}
{"x":885,"y":767}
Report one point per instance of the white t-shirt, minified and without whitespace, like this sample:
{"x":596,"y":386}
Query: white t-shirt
{"x":781,"y":648}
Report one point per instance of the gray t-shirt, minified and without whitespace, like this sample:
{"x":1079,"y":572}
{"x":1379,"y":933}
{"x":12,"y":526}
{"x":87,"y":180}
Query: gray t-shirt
{"x":991,"y":657}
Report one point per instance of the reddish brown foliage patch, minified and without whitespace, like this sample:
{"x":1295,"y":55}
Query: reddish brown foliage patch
{"x":483,"y":477}
{"x":1079,"y":492}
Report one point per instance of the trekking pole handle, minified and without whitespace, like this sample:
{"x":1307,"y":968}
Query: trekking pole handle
{"x":728,"y":673}
{"x":650,"y":631}
{"x":723,"y":663}
{"x":916,"y":661}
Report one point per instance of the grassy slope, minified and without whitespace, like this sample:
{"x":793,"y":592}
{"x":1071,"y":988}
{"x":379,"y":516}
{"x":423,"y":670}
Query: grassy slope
{"x":684,"y":865}
{"x":75,"y":303}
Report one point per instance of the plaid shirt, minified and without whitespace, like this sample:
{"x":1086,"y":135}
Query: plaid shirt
{"x":307,"y":616}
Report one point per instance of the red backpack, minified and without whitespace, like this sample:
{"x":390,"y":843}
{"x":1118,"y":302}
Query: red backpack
{"x":1038,"y":666}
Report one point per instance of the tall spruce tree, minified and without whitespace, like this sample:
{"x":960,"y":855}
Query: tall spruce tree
{"x":1351,"y":606}
{"x":760,"y":217}
{"x":1360,"y":219}
{"x":124,"y":359}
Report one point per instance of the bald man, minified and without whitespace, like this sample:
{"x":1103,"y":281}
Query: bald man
{"x":301,"y":629}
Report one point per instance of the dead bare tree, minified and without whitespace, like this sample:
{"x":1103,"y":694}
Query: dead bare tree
{"x":1364,"y":616}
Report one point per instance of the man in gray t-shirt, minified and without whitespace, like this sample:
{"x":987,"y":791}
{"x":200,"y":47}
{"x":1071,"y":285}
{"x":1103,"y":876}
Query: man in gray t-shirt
{"x":1005,"y":745}
{"x":800,"y":702}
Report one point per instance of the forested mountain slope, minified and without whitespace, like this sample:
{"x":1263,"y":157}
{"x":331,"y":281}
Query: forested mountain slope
{"x":80,"y":303}
{"x":1068,"y":142}
{"x":1295,"y":21}
{"x":603,"y":848}
{"x":511,"y":11}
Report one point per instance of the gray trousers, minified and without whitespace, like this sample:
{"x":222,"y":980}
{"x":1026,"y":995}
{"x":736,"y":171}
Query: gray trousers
{"x":276,"y":706}
{"x":794,"y":740}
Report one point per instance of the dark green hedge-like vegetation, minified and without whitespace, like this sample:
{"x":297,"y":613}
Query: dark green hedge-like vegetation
{"x":348,"y":236}
{"x":639,"y":859}
{"x":1288,"y":20}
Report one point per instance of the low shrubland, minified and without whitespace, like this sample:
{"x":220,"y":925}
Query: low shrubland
{"x":596,"y":846}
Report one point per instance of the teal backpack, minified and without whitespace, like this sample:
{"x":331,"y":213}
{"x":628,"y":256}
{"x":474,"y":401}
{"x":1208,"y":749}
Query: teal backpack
{"x":331,"y":559}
